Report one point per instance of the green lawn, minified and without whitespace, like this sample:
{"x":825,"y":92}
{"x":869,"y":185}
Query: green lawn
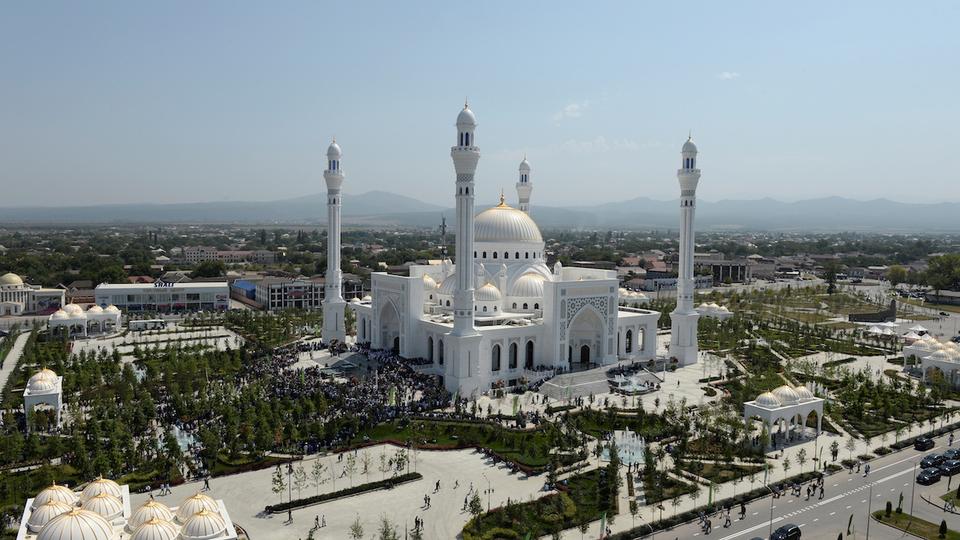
{"x":542,"y":516}
{"x":528,"y":448}
{"x":658,"y":487}
{"x":915,"y":526}
{"x":720,"y":472}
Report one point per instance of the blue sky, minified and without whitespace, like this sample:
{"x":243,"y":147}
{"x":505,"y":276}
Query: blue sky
{"x":109,"y":102}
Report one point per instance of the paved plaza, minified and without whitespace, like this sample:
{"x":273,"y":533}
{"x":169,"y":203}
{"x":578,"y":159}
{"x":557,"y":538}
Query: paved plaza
{"x":246,"y":495}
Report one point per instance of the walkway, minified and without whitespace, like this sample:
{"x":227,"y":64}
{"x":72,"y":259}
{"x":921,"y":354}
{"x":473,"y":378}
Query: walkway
{"x":10,"y":362}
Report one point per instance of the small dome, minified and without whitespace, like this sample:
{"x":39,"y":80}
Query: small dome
{"x":921,"y":345}
{"x":77,"y":524}
{"x":104,"y":504}
{"x":192,"y":505}
{"x":55,"y":493}
{"x":529,"y":285}
{"x":786,"y":395}
{"x":940,"y":356}
{"x":44,"y":380}
{"x":466,"y":118}
{"x":354,"y":300}
{"x":203,"y":525}
{"x":803,"y":393}
{"x":95,"y":310}
{"x":101,"y":485}
{"x":524,"y":165}
{"x":333,"y":151}
{"x":767,"y":400}
{"x":429,"y":283}
{"x":155,"y":529}
{"x":59,"y":315}
{"x":111,"y":309}
{"x":42,"y":515}
{"x":488,"y":293}
{"x":505,"y":224}
{"x":10,"y":280}
{"x":73,"y":310}
{"x":448,"y":285}
{"x":149,"y":510}
{"x":689,"y":147}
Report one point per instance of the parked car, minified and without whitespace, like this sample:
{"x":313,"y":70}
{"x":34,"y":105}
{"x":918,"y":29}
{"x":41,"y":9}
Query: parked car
{"x":923,"y":443}
{"x":951,"y":453}
{"x":931,"y":460}
{"x":944,"y":314}
{"x":928,"y":476}
{"x":787,"y":532}
{"x":950,"y":467}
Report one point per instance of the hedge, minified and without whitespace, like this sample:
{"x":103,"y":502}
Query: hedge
{"x":903,"y":443}
{"x":362,"y":488}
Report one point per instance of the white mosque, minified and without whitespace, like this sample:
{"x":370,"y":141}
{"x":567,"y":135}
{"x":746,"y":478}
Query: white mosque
{"x":500,"y":314}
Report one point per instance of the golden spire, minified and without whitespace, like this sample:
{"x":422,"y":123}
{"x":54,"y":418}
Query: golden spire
{"x":502,"y":198}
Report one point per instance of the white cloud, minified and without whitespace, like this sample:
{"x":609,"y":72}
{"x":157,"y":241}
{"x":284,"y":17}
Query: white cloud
{"x":571,"y":110}
{"x":728,"y":75}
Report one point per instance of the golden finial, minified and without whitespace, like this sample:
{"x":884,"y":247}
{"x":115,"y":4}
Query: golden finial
{"x":502,"y":198}
{"x":466,"y":103}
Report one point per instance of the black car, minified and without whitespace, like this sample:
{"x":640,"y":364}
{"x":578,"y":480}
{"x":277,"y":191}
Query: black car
{"x":787,"y":532}
{"x":928,"y":476}
{"x":931,"y":460}
{"x":923,"y":443}
{"x":950,"y":467}
{"x":951,"y":453}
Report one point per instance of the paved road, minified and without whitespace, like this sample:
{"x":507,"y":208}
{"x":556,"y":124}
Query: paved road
{"x":845,"y":495}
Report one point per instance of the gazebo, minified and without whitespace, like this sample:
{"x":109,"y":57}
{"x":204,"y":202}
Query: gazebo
{"x":44,"y":387}
{"x":78,"y":321}
{"x":786,"y":406}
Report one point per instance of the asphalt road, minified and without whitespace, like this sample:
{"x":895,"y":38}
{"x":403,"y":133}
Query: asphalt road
{"x":845,"y":494}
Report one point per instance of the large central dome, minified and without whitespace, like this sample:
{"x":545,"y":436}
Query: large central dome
{"x":505,"y":224}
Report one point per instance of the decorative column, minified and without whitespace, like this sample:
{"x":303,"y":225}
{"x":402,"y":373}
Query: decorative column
{"x":683,"y":334}
{"x":524,"y":186}
{"x":333,"y":304}
{"x":462,"y":373}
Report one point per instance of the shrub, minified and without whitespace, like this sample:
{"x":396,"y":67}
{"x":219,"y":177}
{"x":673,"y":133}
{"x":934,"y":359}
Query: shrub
{"x":362,"y":488}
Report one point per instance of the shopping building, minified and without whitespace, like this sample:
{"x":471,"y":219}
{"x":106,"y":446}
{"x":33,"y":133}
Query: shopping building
{"x":163,"y":297}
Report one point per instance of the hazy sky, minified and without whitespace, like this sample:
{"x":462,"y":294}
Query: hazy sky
{"x":104,"y":102}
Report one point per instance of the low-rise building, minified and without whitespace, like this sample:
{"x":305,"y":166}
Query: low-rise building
{"x":19,"y":298}
{"x":164,"y":297}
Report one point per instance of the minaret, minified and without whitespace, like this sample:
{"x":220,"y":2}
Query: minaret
{"x":524,"y":186}
{"x":683,"y":335}
{"x":465,"y":157}
{"x":333,"y":304}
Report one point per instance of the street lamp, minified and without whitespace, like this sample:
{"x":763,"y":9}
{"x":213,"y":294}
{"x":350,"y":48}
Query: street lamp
{"x":290,"y":489}
{"x":488,"y":490}
{"x":869,"y":505}
{"x":770,"y":532}
{"x":913,"y":488}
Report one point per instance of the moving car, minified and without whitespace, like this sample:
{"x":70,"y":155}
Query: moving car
{"x":928,"y":476}
{"x":923,"y":443}
{"x":951,"y":453}
{"x":931,"y":460}
{"x":950,"y":467}
{"x":787,"y":532}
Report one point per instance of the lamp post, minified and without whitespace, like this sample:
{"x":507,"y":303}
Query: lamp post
{"x":913,"y":488}
{"x":290,"y":488}
{"x":770,"y":532}
{"x":869,"y":506}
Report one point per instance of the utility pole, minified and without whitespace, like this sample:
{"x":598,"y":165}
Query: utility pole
{"x":869,"y":506}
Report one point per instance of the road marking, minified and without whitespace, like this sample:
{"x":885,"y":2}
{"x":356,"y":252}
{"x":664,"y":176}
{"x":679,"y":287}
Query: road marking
{"x":755,"y":513}
{"x":848,"y":507}
{"x":768,"y":523}
{"x":832,"y":513}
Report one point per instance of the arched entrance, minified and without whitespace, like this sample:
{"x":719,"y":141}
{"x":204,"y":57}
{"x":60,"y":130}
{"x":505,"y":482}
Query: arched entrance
{"x":585,"y":338}
{"x":390,"y":327}
{"x":528,"y":357}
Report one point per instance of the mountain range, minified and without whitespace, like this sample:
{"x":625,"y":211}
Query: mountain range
{"x":380,"y":208}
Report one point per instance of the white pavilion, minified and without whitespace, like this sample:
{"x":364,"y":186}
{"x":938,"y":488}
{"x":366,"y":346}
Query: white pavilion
{"x":45,"y":387}
{"x":95,"y":320}
{"x":786,"y":406}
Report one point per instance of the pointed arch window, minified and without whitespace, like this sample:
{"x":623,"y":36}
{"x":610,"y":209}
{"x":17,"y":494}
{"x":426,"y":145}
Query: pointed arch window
{"x":495,"y":358}
{"x":512,"y":362}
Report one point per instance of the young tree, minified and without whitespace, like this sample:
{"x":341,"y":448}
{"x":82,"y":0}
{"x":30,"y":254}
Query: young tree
{"x":851,"y":445}
{"x":356,"y":529}
{"x":279,"y":484}
{"x":351,"y":467}
{"x":802,"y":458}
{"x":365,"y":463}
{"x":299,"y":480}
{"x":476,"y":507}
{"x":317,"y":474}
{"x":387,"y":530}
